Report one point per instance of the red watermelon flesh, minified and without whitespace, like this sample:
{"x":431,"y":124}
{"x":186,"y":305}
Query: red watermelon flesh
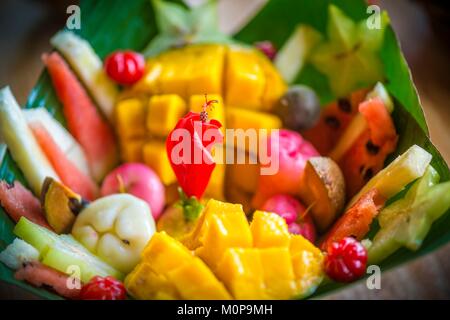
{"x":68,"y":172}
{"x":19,"y":202}
{"x":333,"y":121}
{"x":84,"y":121}
{"x":367,"y":155}
{"x":40,"y":275}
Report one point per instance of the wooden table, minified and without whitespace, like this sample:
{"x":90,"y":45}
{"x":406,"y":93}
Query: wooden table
{"x":27,"y":25}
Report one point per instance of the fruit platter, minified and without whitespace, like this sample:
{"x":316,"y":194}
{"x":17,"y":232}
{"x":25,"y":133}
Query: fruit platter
{"x":159,"y":158}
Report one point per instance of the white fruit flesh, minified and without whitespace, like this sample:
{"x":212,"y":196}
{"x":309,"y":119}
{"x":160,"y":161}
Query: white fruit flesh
{"x":89,"y":67}
{"x":403,"y":170}
{"x":116,"y":228}
{"x":291,"y":57}
{"x":21,"y":143}
{"x":60,"y":135}
{"x":18,"y":253}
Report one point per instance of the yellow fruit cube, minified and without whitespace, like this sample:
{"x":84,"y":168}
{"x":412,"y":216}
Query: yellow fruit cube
{"x":278,"y":273}
{"x":155,"y":156}
{"x":269,"y":230}
{"x":242,"y":273}
{"x":164,"y":111}
{"x":298,"y":243}
{"x":275,"y":87}
{"x":223,"y":232}
{"x":149,"y":83}
{"x":206,"y":69}
{"x":244,"y":79}
{"x":195,"y":281}
{"x":130,"y":117}
{"x":131,"y":150}
{"x":144,"y":284}
{"x":176,"y":72}
{"x":308,"y":270}
{"x":213,"y":207}
{"x":164,"y":253}
{"x":215,"y":188}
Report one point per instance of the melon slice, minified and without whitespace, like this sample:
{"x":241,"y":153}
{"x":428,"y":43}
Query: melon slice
{"x":63,"y":252}
{"x":84,"y":121}
{"x":60,"y":135}
{"x":88,"y":66}
{"x":18,"y":253}
{"x":20,"y":202}
{"x":66,"y":169}
{"x":21,"y":143}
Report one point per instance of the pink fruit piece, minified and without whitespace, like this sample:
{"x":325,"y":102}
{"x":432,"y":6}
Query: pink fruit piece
{"x":69,"y":173}
{"x":292,"y":153}
{"x":304,"y":228}
{"x":19,"y":202}
{"x":284,"y":205}
{"x":138,"y":180}
{"x":83,"y":119}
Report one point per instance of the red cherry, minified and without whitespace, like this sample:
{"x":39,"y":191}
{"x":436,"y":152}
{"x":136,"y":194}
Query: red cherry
{"x":346,"y":260}
{"x":99,"y":288}
{"x":125,"y":67}
{"x":267,"y":48}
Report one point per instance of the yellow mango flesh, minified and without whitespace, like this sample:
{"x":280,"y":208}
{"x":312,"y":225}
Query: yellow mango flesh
{"x":155,"y":156}
{"x":269,"y":230}
{"x":164,"y":111}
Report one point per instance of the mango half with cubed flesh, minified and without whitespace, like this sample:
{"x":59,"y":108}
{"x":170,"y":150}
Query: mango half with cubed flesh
{"x":224,"y":257}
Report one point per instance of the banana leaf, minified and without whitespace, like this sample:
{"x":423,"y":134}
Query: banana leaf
{"x":114,"y":24}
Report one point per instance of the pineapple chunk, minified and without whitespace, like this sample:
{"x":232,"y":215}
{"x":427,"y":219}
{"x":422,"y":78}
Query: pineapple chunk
{"x":155,"y":157}
{"x":242,"y":273}
{"x":207,"y":69}
{"x":269,"y":230}
{"x":223,"y":232}
{"x":195,"y":281}
{"x":130,"y":118}
{"x":279,"y":276}
{"x":164,"y":111}
{"x":244,"y":79}
{"x":131,"y":150}
{"x":213,"y":207}
{"x":145,"y":284}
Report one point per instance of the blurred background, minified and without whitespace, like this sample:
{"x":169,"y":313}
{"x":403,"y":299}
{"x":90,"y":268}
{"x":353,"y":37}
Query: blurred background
{"x":423,"y":28}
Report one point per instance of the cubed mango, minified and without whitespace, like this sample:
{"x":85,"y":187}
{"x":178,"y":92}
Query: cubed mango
{"x":269,"y":230}
{"x":130,"y":118}
{"x":155,"y":156}
{"x":164,"y":111}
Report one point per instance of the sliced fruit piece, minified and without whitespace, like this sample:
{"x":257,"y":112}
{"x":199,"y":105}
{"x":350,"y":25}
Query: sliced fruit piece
{"x":404,"y":169}
{"x":65,"y":168}
{"x":130,"y":118}
{"x":61,"y":205}
{"x":85,"y":123}
{"x":164,"y":111}
{"x":323,"y":189}
{"x":269,"y":230}
{"x":132,"y":150}
{"x":155,"y":156}
{"x":18,"y":253}
{"x":356,"y":221}
{"x":66,"y":142}
{"x":21,"y":142}
{"x":244,"y":79}
{"x":20,"y":202}
{"x":62,"y":252}
{"x":88,"y":66}
{"x":40,"y":275}
{"x":274,"y":86}
{"x":242,"y":272}
{"x":292,"y":55}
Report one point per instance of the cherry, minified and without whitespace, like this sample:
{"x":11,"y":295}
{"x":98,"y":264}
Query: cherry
{"x":125,"y":67}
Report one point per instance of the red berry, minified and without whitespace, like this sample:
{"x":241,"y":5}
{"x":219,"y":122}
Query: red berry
{"x":267,"y":48}
{"x":125,"y":67}
{"x":346,"y":260}
{"x":99,"y":288}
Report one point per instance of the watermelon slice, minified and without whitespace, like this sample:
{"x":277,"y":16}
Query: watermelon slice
{"x":40,"y":275}
{"x":356,"y":221}
{"x":70,"y":175}
{"x":367,"y":155}
{"x":20,"y":202}
{"x":84,"y":120}
{"x":60,"y":135}
{"x":333,"y":121}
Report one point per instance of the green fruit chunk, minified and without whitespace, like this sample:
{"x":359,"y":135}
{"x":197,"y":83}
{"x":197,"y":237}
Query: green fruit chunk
{"x":407,"y":221}
{"x":62,"y":252}
{"x":403,"y":170}
{"x":21,"y":142}
{"x":350,"y":56}
{"x":18,"y":253}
